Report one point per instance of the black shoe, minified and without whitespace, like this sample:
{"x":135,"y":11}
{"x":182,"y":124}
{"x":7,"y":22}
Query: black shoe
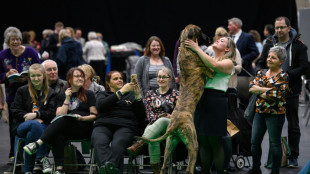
{"x":292,"y":163}
{"x":255,"y":170}
{"x":275,"y":172}
{"x":18,"y":169}
{"x":110,"y":168}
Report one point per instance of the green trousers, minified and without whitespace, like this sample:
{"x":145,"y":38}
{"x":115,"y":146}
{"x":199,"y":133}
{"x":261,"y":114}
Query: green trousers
{"x":152,"y":131}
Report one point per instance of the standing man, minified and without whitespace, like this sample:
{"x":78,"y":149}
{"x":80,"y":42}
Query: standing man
{"x":295,"y":65}
{"x":248,"y":50}
{"x":54,"y":81}
{"x":53,"y":43}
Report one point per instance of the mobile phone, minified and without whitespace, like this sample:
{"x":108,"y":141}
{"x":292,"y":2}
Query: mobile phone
{"x":133,"y":78}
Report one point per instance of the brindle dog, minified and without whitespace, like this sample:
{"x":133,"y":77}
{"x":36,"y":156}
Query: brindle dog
{"x":193,"y":79}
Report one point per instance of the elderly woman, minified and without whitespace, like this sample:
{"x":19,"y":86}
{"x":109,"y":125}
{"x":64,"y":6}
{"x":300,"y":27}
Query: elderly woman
{"x":34,"y":107}
{"x":270,"y":88}
{"x":15,"y":59}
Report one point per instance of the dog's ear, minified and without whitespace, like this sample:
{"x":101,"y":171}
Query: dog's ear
{"x":190,"y":33}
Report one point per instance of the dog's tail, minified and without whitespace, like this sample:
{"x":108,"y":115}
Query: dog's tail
{"x":170,"y":129}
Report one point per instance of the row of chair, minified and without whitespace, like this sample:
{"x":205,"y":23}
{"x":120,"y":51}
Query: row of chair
{"x":134,"y":166}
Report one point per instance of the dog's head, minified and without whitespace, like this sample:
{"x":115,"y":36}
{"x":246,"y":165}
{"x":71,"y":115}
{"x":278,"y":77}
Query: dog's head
{"x":194,"y":32}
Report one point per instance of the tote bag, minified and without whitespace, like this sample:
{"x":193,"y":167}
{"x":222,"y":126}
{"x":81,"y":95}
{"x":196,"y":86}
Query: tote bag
{"x":250,"y":110}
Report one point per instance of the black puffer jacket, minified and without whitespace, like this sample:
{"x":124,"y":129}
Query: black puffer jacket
{"x":299,"y":59}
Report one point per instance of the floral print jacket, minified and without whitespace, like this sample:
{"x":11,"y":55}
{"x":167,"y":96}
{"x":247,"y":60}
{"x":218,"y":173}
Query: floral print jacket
{"x":274,"y":103}
{"x":153,"y":101}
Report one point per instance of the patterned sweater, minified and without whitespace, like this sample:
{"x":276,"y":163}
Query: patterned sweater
{"x":153,"y":102}
{"x":275,"y":97}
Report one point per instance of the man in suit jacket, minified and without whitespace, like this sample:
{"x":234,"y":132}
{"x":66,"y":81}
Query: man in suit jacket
{"x":248,"y":50}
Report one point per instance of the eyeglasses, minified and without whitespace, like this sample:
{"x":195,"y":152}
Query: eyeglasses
{"x":78,"y":76}
{"x":280,"y":27}
{"x":163,"y":77}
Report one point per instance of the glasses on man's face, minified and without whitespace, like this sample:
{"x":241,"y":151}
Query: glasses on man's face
{"x":78,"y":76}
{"x":280,"y":27}
{"x":163,"y":77}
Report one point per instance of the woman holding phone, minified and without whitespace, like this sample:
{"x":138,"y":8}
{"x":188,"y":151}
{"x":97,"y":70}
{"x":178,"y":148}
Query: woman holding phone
{"x":120,"y":109}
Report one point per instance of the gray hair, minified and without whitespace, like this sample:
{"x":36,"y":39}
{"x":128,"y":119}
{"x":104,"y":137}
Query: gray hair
{"x":92,"y":35}
{"x":166,"y":70}
{"x":236,"y":21}
{"x":280,"y":51}
{"x":11,"y":32}
{"x":48,"y":60}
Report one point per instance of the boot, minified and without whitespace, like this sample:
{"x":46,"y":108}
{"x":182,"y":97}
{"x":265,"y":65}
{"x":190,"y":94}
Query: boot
{"x":156,"y":168}
{"x":136,"y":148}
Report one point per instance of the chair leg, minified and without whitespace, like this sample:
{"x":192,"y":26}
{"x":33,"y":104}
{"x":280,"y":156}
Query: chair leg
{"x":91,"y":161}
{"x":307,"y":108}
{"x":19,"y":141}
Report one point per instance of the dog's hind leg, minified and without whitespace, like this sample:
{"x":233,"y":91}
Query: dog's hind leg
{"x":190,"y":141}
{"x":171,"y":143}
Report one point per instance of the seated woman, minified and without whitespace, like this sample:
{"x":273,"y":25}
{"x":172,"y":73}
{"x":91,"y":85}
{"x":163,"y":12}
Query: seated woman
{"x":91,"y":79}
{"x":120,"y":108}
{"x":159,"y":105}
{"x":33,"y":108}
{"x":270,"y":88}
{"x":75,"y":101}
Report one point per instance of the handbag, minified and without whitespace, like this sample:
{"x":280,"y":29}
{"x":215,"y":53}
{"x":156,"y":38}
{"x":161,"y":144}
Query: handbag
{"x":286,"y":151}
{"x":250,"y":109}
{"x":70,"y":158}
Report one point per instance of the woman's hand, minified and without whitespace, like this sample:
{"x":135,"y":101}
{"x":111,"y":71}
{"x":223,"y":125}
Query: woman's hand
{"x":126,"y":88}
{"x":191,"y":45}
{"x":136,"y":90}
{"x":30,"y":116}
{"x":79,"y":118}
{"x":11,"y":71}
{"x":68,"y":93}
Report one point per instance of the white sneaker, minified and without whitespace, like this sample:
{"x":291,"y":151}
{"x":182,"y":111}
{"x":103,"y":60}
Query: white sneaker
{"x":46,"y":165}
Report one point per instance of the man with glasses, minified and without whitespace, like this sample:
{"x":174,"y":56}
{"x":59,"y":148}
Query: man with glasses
{"x":54,"y":81}
{"x":295,"y":65}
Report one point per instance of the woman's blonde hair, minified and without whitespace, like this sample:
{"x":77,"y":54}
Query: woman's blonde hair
{"x":231,"y":54}
{"x":62,"y":34}
{"x":89,"y":70}
{"x":220,"y":32}
{"x":45,"y":88}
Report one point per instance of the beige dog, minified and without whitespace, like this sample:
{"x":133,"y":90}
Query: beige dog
{"x":192,"y":81}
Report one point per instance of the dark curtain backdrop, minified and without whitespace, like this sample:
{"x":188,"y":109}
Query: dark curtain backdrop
{"x":135,"y":21}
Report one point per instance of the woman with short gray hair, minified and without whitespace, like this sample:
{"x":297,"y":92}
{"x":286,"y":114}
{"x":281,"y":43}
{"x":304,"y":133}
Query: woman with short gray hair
{"x":15,"y":59}
{"x":270,"y":86}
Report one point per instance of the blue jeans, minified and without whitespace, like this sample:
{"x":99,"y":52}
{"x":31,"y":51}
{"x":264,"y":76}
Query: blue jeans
{"x":273,"y":124}
{"x":31,"y":131}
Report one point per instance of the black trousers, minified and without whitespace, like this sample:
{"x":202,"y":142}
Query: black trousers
{"x":63,"y":129}
{"x":11,"y":131}
{"x":110,"y":144}
{"x":292,"y":104}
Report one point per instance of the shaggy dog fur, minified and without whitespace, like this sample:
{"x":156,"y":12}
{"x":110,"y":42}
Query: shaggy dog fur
{"x":192,"y":81}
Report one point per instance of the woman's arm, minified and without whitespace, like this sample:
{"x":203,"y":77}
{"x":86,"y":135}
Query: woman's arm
{"x":48,"y":112}
{"x":91,"y":117}
{"x":224,"y":66}
{"x":18,"y":106}
{"x":63,"y":107}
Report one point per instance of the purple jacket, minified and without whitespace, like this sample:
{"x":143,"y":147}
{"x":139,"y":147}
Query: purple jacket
{"x":21,"y":63}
